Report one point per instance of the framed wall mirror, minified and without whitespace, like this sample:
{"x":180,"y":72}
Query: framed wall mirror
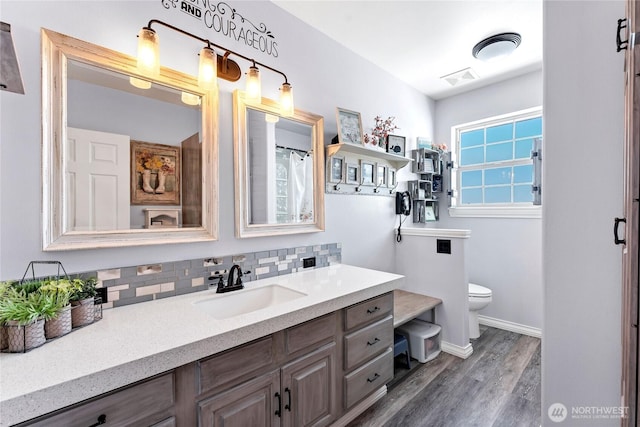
{"x":279,"y":169}
{"x":118,"y":145}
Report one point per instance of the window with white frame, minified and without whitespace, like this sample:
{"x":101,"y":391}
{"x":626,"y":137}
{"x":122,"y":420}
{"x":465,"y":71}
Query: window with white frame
{"x":495,"y":167}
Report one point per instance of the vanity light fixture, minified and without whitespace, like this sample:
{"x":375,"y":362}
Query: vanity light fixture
{"x":139,"y":83}
{"x":211,"y":67}
{"x":497,"y":46}
{"x":190,"y":99}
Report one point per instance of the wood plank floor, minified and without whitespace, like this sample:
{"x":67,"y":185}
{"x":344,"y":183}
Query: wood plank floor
{"x":497,"y":386}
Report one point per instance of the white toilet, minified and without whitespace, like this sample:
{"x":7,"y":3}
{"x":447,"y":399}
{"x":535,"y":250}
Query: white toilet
{"x":479,"y":298}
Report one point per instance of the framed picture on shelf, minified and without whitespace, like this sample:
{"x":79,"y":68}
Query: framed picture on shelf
{"x":429,"y":213}
{"x":381,"y":176}
{"x":367,"y":173}
{"x":396,"y":144}
{"x":336,"y":169}
{"x":349,"y":126}
{"x":155,"y":174}
{"x":353,"y":174}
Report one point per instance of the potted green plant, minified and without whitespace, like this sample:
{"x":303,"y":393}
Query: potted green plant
{"x":22,"y":313}
{"x":82,"y":301}
{"x":4,"y":286}
{"x":58,"y":308}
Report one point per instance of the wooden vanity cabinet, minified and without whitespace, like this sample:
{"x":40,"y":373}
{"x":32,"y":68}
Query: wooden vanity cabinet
{"x":296,"y":377}
{"x":147,"y":403}
{"x":286,"y":379}
{"x":368,"y":348}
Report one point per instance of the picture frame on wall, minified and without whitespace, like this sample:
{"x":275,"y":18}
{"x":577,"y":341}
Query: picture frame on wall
{"x":352,"y":173}
{"x":381,"y":175}
{"x":349,"y":126}
{"x":155,"y":174}
{"x":396,"y":144}
{"x":392,"y":180}
{"x":367,"y":173}
{"x":336,"y":169}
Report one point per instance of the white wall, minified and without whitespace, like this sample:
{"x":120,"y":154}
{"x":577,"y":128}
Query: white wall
{"x":504,"y":255}
{"x":583,"y":129}
{"x":324,"y":75}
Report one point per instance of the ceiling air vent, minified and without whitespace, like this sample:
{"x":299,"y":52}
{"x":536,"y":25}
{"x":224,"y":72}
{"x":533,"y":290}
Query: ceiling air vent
{"x":459,"y":77}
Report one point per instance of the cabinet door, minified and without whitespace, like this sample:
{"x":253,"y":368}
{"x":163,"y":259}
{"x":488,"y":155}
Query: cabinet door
{"x":252,"y":403}
{"x":308,"y":389}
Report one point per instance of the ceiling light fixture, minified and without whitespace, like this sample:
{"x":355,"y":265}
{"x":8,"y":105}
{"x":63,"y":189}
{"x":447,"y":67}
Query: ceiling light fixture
{"x":497,"y":46}
{"x":211,"y":66}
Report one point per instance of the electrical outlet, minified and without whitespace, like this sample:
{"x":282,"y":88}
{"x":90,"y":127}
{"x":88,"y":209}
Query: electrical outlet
{"x":443,"y":246}
{"x":102,"y":293}
{"x":309,"y":262}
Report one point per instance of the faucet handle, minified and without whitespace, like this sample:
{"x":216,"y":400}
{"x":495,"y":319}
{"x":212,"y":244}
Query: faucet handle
{"x":220,"y":280}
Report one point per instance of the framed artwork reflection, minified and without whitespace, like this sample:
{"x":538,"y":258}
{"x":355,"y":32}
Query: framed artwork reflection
{"x":155,"y":174}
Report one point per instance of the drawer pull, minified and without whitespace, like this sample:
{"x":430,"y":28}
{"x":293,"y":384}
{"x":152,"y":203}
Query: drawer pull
{"x":375,"y":377}
{"x":278,"y":411}
{"x":375,"y":341}
{"x":373,"y":310}
{"x":101,"y":420}
{"x":288,"y":405}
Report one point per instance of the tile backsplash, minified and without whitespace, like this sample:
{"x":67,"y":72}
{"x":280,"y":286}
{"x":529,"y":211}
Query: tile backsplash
{"x":133,"y":284}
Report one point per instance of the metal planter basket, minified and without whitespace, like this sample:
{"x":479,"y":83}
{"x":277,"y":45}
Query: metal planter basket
{"x":22,"y":338}
{"x":82,"y":312}
{"x":60,"y":325}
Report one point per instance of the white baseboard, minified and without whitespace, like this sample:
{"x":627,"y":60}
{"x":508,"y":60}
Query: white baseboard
{"x":510,"y":326}
{"x":456,"y":350}
{"x":361,"y":407}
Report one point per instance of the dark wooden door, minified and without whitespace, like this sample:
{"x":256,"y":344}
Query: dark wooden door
{"x":308,"y":389}
{"x":252,"y":403}
{"x":192,"y":181}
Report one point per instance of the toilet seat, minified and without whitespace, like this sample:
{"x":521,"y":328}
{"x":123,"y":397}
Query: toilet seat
{"x":478,"y":291}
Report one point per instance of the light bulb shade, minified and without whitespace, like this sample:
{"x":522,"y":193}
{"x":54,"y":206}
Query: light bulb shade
{"x":148,"y":52}
{"x":253,"y":84}
{"x":286,"y":100}
{"x":139,"y":83}
{"x":208,"y":70}
{"x":190,"y":99}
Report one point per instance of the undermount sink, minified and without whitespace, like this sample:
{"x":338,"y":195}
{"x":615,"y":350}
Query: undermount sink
{"x":246,"y":301}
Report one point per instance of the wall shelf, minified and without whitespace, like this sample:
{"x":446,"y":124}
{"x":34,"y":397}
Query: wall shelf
{"x":395,"y":160}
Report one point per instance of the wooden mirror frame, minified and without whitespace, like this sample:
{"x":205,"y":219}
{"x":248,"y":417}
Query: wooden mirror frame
{"x":56,"y":50}
{"x":243,"y":227}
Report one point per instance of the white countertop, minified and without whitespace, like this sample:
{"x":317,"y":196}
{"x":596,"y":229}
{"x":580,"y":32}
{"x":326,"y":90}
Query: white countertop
{"x":134,"y":342}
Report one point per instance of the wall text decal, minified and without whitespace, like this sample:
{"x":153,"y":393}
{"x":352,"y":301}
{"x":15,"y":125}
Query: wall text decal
{"x":225,"y":20}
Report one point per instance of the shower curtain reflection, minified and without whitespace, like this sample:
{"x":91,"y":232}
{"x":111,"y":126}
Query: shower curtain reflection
{"x":300,"y":194}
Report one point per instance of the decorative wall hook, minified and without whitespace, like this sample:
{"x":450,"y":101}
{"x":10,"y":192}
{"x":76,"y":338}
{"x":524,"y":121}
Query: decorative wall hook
{"x":337,"y":186}
{"x":391,"y":190}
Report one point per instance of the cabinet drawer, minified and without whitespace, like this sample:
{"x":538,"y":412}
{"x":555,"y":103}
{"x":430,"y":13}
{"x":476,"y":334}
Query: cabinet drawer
{"x":235,"y":365}
{"x":309,"y":333}
{"x":368,"y":311}
{"x":368,"y":378}
{"x":133,"y":406}
{"x":365,"y":343}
